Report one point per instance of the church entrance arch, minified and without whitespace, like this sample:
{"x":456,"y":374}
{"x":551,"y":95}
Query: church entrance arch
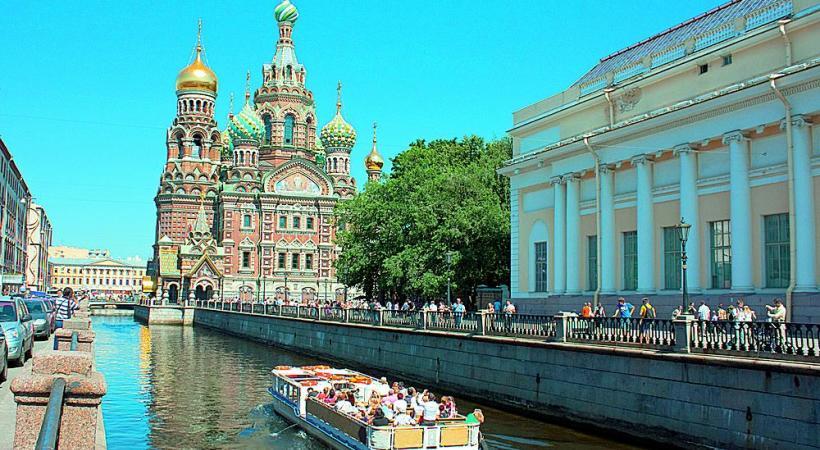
{"x":245,"y":294}
{"x":173,"y":293}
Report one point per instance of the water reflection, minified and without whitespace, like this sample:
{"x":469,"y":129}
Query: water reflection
{"x":175,"y":387}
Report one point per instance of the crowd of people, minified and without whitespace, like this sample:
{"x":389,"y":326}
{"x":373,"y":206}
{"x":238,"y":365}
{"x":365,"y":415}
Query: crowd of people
{"x":395,"y":405}
{"x":738,"y":311}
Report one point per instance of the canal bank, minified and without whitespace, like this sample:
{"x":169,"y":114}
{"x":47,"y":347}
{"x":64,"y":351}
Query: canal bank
{"x":684,"y":400}
{"x":193,"y":387}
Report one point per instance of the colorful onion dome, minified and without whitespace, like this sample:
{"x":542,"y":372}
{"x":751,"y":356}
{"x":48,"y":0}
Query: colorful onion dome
{"x":374,"y":160}
{"x":197,"y":76}
{"x":246,"y":126}
{"x":338,"y":133}
{"x":286,"y":12}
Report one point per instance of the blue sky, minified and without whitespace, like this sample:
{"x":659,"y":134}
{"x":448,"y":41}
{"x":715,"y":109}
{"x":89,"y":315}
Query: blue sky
{"x":87,"y":88}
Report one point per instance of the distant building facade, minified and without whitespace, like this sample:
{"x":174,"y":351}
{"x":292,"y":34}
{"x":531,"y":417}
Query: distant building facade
{"x":14,"y":205}
{"x":62,"y":251}
{"x":248,"y":211}
{"x":98,"y":275}
{"x":38,"y":273}
{"x":712,"y":120}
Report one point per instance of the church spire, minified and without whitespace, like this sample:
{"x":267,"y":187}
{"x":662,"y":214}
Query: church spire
{"x":339,"y":97}
{"x":201,"y":228}
{"x":374,"y":161}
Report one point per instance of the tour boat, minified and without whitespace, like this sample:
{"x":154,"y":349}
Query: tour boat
{"x":291,"y":388}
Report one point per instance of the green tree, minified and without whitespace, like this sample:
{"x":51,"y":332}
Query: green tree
{"x":443,"y":196}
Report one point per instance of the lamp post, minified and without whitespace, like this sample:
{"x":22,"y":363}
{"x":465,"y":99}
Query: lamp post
{"x":683,"y":235}
{"x":449,"y":262}
{"x":286,"y":288}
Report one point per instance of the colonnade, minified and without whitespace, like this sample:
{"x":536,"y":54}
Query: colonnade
{"x":566,"y":216}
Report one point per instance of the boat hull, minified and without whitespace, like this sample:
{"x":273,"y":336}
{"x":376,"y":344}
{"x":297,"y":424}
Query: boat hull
{"x":311,"y":425}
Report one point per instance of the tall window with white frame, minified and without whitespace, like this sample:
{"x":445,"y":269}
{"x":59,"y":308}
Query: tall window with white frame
{"x":592,"y":262}
{"x":297,"y":222}
{"x":630,"y":260}
{"x":671,"y":259}
{"x":281,"y":261}
{"x":309,"y":261}
{"x":246,"y":221}
{"x":246,"y":260}
{"x":283,"y":222}
{"x":720,"y":254}
{"x":776,"y":242}
{"x":294,"y":261}
{"x":289,"y":122}
{"x":540,"y":267}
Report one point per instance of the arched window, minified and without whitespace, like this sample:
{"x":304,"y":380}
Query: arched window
{"x":241,"y":157}
{"x":309,"y":132}
{"x":288,"y":72}
{"x":289,"y":119}
{"x":198,"y":105}
{"x":335,"y":166}
{"x":180,"y":148}
{"x":195,"y":152}
{"x":268,"y":128}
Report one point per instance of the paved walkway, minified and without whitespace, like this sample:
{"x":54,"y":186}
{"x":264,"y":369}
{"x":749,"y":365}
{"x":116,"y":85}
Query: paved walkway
{"x":8,"y":408}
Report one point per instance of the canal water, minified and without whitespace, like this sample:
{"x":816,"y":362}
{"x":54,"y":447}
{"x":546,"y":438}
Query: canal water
{"x":175,"y":387}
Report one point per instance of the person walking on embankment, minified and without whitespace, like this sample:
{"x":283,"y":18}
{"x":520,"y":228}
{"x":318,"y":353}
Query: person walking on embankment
{"x":66,"y":306}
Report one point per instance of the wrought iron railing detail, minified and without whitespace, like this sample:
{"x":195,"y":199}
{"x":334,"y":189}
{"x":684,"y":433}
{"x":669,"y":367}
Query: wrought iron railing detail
{"x":659,"y":332}
{"x":764,"y":337}
{"x":289,"y":310}
{"x":309,"y":312}
{"x":365,"y":316}
{"x":332,"y":314}
{"x":466,"y":321}
{"x":524,"y":325}
{"x":404,"y":319}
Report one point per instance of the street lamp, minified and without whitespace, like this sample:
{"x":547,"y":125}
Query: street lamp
{"x":683,"y":235}
{"x":286,"y":288}
{"x":449,"y":261}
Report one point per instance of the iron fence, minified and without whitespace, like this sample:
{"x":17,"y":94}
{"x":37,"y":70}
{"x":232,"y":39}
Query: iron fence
{"x":404,"y":319}
{"x":758,"y":337}
{"x":524,"y":325}
{"x":332,"y":314}
{"x":658,"y":332}
{"x":365,"y":316}
{"x":453,"y":321}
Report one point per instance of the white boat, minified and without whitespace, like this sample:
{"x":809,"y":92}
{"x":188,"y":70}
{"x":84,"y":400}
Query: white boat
{"x":291,"y":388}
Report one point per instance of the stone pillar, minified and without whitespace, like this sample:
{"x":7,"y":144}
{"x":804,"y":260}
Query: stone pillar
{"x":561,"y":326}
{"x":683,"y":332}
{"x":608,"y":251}
{"x":740,"y":213}
{"x":690,"y":212}
{"x":804,"y":224}
{"x":85,"y":339}
{"x":559,"y":237}
{"x":646,"y":225}
{"x":81,"y":402}
{"x":482,"y":322}
{"x":573,"y":212}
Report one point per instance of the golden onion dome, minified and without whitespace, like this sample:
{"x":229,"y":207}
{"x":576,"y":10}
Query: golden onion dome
{"x":374,"y":160}
{"x":197,"y":76}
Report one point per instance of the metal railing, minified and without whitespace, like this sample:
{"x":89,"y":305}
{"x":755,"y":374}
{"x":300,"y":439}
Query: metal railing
{"x":520,"y":325}
{"x":659,"y":332}
{"x":758,"y":337}
{"x":50,"y":429}
{"x":683,"y":334}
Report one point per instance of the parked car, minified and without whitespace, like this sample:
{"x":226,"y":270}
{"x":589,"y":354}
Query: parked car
{"x":18,"y":328}
{"x":4,"y":361}
{"x":42,"y":317}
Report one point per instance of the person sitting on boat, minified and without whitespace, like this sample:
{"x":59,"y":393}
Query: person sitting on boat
{"x":402,"y":418}
{"x":382,"y":388}
{"x":379,"y":419}
{"x":344,"y":405}
{"x":449,"y":407}
{"x":391,"y":397}
{"x":331,"y":398}
{"x":323,"y":395}
{"x":400,"y":403}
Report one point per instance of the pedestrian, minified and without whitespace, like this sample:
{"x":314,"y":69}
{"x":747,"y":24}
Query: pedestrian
{"x":624,"y":309}
{"x":704,"y":312}
{"x":66,"y":306}
{"x":458,"y":312}
{"x":600,"y":311}
{"x":586,"y":311}
{"x":648,"y":314}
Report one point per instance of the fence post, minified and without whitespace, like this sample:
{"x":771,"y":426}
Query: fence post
{"x":380,"y":317}
{"x":562,"y":326}
{"x":482,"y":323}
{"x":683,"y":332}
{"x":424,"y":319}
{"x":297,"y":311}
{"x":345,"y":315}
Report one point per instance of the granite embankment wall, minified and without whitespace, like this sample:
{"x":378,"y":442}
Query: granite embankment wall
{"x":683,"y":399}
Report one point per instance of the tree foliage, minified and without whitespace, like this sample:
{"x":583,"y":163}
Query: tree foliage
{"x":443,"y":196}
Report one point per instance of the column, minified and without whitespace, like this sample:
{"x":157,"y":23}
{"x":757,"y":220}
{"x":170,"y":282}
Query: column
{"x":740,"y":212}
{"x":804,"y":226}
{"x":690,"y":212}
{"x":559,"y":236}
{"x":607,"y":231}
{"x":646,"y":225}
{"x":572,"y":233}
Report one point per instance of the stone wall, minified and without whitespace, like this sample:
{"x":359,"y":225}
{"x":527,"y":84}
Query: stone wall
{"x":166,"y":315}
{"x":684,"y":399}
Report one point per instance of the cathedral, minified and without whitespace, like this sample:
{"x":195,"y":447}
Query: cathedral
{"x":248,"y":211}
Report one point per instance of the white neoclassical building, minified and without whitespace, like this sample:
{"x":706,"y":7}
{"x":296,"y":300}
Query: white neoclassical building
{"x":712,"y":121}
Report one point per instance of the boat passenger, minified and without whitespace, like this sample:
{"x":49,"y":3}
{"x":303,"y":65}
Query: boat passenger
{"x":475,"y":417}
{"x":323,"y":395}
{"x":331,"y":398}
{"x":391,"y":397}
{"x":431,"y":412}
{"x":344,"y":405}
{"x":449,"y":407}
{"x":402,"y":418}
{"x":400,"y":403}
{"x":379,"y":419}
{"x":383,"y":388}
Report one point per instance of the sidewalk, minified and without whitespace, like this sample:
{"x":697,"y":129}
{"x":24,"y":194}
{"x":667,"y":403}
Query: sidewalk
{"x":8,"y":408}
